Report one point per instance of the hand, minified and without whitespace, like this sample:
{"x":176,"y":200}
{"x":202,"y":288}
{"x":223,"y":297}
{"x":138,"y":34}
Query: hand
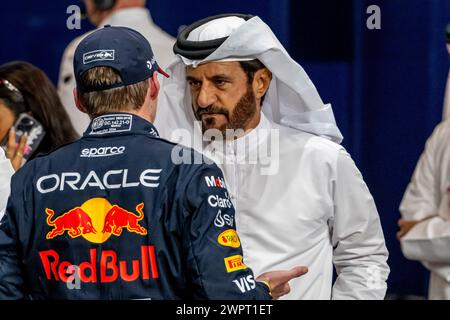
{"x":278,"y":280}
{"x":405,"y":226}
{"x":15,"y":152}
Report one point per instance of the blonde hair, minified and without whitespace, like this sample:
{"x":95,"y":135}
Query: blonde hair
{"x":124,"y":98}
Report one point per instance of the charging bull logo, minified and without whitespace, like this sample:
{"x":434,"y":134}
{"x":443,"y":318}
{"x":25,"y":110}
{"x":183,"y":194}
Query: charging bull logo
{"x":118,"y":218}
{"x":95,"y":220}
{"x":73,"y":221}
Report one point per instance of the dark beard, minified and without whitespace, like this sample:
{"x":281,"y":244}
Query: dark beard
{"x":243,"y":112}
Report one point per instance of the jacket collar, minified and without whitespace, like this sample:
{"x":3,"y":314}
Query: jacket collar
{"x":119,"y":123}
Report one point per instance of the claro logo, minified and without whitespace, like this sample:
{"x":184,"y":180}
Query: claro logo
{"x":102,"y":152}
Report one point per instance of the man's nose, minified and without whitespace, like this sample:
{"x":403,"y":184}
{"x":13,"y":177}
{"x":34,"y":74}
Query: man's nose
{"x":206,"y":96}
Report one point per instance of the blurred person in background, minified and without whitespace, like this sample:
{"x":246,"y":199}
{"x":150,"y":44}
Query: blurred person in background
{"x":447,"y":92}
{"x":425,"y":208}
{"x":6,"y":171}
{"x":126,"y":13}
{"x":25,"y":90}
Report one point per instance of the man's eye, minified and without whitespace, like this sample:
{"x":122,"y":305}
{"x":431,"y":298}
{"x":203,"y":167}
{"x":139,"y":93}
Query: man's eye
{"x":220,"y":82}
{"x":193,"y":83}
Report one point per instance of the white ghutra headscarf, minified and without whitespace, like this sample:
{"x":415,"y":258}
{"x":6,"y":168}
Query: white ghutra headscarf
{"x":292,"y":100}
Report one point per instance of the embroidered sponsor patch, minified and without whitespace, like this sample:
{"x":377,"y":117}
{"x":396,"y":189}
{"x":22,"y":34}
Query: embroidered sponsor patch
{"x":229,"y":238}
{"x":98,"y":55}
{"x":111,"y":123}
{"x":222,"y":220}
{"x":234,"y":263}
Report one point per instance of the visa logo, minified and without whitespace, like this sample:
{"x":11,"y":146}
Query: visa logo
{"x":245,"y":284}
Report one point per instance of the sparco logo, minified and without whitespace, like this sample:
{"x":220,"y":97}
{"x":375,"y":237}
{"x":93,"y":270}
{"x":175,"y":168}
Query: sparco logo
{"x":98,"y":55}
{"x":102,"y":152}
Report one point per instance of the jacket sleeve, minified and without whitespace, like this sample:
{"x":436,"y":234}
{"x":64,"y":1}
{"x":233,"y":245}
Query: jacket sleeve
{"x":11,"y":278}
{"x":216,"y":267}
{"x":428,"y":241}
{"x":360,"y":255}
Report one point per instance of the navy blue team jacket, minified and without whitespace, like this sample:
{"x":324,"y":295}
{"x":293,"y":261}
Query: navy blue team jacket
{"x":113,"y":216}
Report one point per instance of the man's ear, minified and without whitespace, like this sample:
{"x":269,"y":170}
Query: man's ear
{"x":154,"y":86}
{"x":78,"y":101}
{"x":261,"y":82}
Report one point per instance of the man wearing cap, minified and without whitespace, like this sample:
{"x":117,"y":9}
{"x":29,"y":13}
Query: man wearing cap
{"x":299,"y":197}
{"x":127,"y":13}
{"x":110,"y":216}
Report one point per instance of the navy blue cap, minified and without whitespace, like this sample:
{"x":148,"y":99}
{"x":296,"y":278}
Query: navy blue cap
{"x":121,"y":48}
